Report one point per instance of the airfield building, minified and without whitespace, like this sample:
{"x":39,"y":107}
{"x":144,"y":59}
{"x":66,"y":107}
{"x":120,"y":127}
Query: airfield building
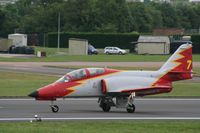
{"x":153,"y":45}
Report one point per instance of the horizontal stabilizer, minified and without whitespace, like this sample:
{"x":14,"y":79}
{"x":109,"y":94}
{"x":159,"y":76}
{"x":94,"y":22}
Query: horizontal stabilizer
{"x":183,"y":72}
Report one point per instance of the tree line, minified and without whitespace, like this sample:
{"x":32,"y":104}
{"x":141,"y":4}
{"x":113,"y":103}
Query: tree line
{"x":116,"y":16}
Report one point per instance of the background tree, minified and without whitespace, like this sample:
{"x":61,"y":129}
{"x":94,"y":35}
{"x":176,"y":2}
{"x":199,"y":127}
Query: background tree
{"x":39,"y":16}
{"x":10,"y":20}
{"x":2,"y":19}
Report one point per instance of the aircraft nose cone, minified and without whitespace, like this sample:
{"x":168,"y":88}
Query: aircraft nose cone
{"x":34,"y":94}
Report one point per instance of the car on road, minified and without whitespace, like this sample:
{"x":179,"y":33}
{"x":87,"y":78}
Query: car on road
{"x":114,"y":50}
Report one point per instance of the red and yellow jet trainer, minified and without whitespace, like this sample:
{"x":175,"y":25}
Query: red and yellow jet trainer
{"x":108,"y":84}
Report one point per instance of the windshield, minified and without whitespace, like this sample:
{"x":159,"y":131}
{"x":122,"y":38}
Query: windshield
{"x":63,"y":79}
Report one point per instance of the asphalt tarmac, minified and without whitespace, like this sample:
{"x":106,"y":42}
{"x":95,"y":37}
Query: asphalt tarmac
{"x":81,"y":109}
{"x":35,"y":69}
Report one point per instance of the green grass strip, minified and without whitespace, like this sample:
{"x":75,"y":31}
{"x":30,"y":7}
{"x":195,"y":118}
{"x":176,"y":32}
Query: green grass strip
{"x":128,"y":126}
{"x":21,"y":84}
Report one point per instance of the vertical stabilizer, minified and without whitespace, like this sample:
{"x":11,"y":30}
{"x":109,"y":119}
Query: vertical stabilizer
{"x":179,"y":65}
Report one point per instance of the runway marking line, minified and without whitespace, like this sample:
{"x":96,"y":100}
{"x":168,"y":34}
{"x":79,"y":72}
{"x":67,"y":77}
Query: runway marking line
{"x":103,"y":118}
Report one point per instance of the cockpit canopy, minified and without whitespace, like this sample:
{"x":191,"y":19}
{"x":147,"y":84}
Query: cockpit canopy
{"x":95,"y":71}
{"x":80,"y":74}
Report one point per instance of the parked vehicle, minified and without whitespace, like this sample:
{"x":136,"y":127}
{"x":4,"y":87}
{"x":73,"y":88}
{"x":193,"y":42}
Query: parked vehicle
{"x":114,"y":50}
{"x":92,"y":50}
{"x":21,"y":50}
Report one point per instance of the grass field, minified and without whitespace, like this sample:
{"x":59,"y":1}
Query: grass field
{"x":97,"y":58}
{"x":184,"y":89}
{"x":53,"y":57}
{"x":21,"y":84}
{"x":131,"y":126}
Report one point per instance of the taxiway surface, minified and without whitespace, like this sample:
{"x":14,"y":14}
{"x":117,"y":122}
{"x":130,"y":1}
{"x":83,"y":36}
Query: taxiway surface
{"x":146,"y":108}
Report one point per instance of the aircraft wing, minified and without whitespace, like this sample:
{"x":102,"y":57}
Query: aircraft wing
{"x":141,"y":85}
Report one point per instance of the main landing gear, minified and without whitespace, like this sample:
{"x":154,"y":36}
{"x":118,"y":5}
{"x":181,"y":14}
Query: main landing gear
{"x":54,"y":108}
{"x":105,"y":103}
{"x":121,"y":102}
{"x":130,"y":107}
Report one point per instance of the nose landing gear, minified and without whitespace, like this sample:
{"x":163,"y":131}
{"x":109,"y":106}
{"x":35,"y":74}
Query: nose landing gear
{"x":54,"y":108}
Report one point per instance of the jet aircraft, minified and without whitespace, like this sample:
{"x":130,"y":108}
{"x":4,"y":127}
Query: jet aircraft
{"x":117,"y":87}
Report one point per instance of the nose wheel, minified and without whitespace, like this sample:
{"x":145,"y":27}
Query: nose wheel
{"x":54,"y":108}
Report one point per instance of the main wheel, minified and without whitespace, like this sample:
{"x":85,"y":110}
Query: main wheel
{"x":105,"y":107}
{"x":130,"y":108}
{"x":54,"y":108}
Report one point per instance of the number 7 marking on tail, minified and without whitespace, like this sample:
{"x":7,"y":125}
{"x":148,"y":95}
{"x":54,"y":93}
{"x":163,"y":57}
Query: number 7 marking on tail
{"x":189,"y":64}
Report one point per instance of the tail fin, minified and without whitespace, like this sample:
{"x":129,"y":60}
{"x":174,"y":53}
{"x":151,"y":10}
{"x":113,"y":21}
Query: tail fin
{"x":179,"y":65}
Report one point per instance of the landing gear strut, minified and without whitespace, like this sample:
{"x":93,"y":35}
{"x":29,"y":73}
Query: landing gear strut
{"x":130,"y":107}
{"x":54,"y":108}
